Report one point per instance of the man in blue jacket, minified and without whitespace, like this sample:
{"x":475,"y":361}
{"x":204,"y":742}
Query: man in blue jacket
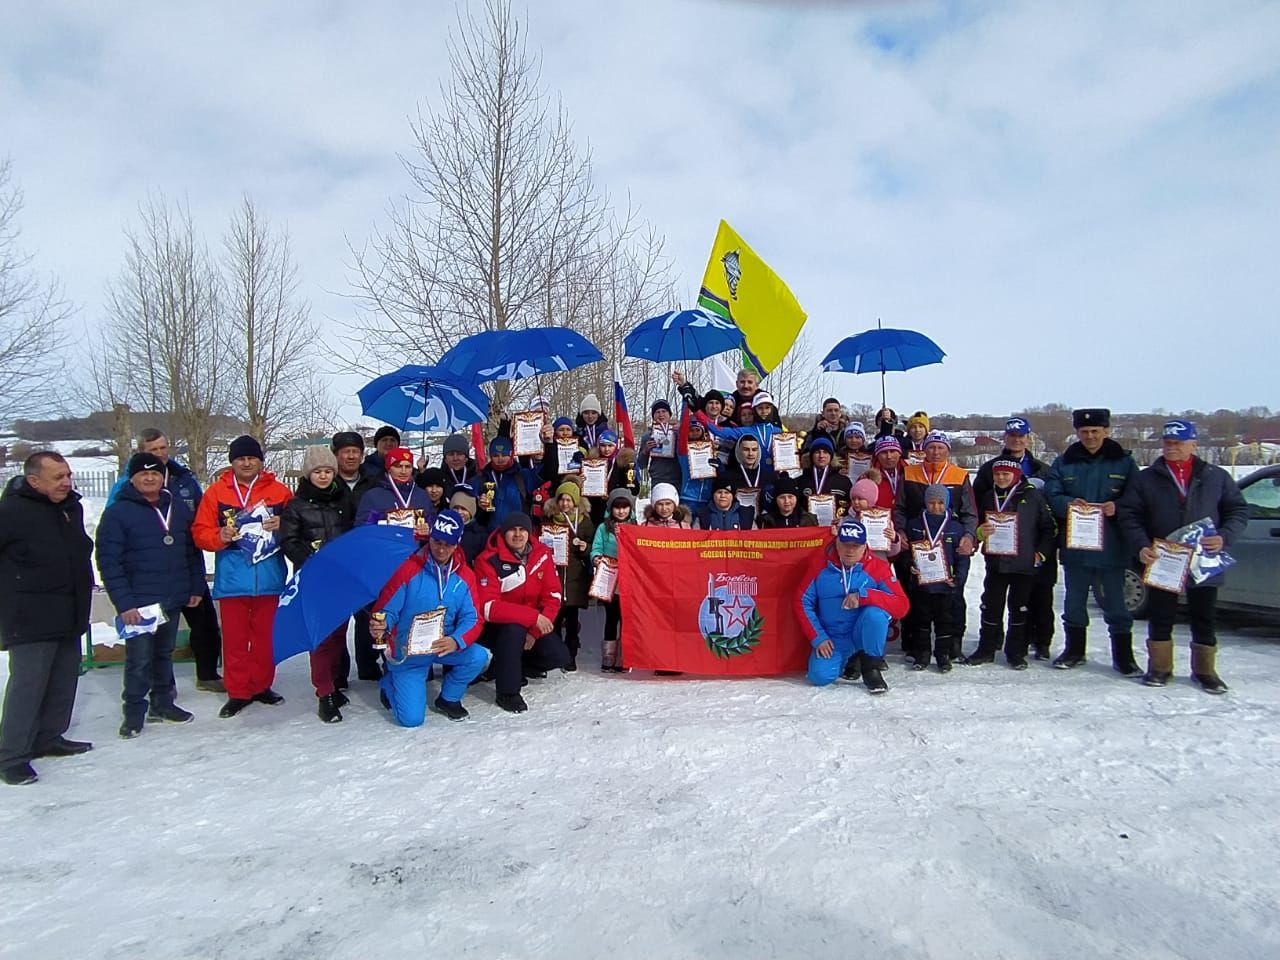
{"x":444,"y":587}
{"x":147,"y":559}
{"x":847,"y":608}
{"x":1094,"y":470}
{"x":1178,"y":489}
{"x":206,"y":635}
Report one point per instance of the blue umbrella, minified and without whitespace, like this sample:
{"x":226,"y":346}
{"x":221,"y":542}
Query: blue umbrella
{"x":423,"y":398}
{"x":344,"y":575}
{"x":875,"y":351}
{"x":517,"y":354}
{"x":682,"y":335}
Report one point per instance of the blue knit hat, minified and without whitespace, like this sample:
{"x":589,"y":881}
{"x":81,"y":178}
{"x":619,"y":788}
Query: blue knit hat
{"x":562,"y":422}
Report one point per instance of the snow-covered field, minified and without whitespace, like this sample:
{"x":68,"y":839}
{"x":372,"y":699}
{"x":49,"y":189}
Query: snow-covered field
{"x":985,"y":814}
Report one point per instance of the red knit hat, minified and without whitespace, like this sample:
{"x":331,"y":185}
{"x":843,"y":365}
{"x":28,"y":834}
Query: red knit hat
{"x":398,"y":455}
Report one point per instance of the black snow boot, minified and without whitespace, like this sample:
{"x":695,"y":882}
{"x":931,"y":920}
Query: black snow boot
{"x":451,"y":709}
{"x":872,"y":676}
{"x":1041,"y":648}
{"x":1073,"y":654}
{"x":1204,"y":669}
{"x":18,"y":775}
{"x":1122,"y":655}
{"x":944,"y":661}
{"x":984,"y":654}
{"x":340,"y":699}
{"x":269,"y":697}
{"x":233,"y":706}
{"x":852,"y":668}
{"x":327,"y":709}
{"x":511,"y":702}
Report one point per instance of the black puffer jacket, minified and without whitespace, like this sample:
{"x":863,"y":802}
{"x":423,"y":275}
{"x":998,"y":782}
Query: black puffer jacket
{"x":1152,"y":506}
{"x":315,"y":516}
{"x":1037,"y":530}
{"x":45,"y":575}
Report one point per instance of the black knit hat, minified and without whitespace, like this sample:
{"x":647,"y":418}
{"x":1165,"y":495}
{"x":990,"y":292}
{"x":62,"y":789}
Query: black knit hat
{"x":513,"y":520}
{"x":244,"y":446}
{"x":785,"y":483}
{"x":386,"y":432}
{"x":346,"y":438}
{"x":722,"y":483}
{"x":144,"y":461}
{"x":1091,"y":417}
{"x":715,"y":395}
{"x":433,"y":477}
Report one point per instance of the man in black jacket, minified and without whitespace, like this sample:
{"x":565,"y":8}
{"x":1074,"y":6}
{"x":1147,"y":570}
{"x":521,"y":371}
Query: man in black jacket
{"x":1180,"y":488}
{"x":45,"y":585}
{"x":1017,"y":436}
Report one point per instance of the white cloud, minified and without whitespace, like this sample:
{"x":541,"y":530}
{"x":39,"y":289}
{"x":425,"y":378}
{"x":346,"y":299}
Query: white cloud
{"x":1076,"y":199}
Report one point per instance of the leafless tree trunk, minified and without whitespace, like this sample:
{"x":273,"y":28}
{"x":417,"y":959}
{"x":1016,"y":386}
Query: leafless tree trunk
{"x":162,"y":345}
{"x":795,"y":383}
{"x":504,"y":227}
{"x":33,"y":314}
{"x":270,"y":332}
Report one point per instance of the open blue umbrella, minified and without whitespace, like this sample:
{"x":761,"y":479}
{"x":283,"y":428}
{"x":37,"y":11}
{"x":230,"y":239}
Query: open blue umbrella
{"x":682,"y":335}
{"x":417,"y":397}
{"x":341,"y":577}
{"x":517,"y":354}
{"x":880,"y":350}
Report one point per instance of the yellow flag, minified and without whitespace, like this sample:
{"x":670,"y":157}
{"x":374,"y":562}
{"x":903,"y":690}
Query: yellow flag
{"x":739,"y":286}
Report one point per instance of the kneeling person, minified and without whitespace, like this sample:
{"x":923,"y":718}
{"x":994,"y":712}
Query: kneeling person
{"x":442,"y":586}
{"x":847,"y":608}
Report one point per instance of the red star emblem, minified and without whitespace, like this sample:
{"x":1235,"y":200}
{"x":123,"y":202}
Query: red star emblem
{"x":738,"y":610}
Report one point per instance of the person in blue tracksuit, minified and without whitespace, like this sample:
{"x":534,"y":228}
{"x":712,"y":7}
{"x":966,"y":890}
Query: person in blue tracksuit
{"x":847,"y":608}
{"x":503,"y":487}
{"x":445,"y":584}
{"x":146,"y":556}
{"x":694,"y":494}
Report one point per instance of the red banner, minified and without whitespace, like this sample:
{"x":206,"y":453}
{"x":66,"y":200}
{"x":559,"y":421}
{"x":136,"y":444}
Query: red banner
{"x":706,"y":602}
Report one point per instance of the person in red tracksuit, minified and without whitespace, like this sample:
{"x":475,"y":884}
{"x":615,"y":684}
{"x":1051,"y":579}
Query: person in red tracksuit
{"x":520,"y":596}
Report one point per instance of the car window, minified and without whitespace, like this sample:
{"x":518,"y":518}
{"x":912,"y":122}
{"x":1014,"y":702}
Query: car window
{"x":1263,"y":498}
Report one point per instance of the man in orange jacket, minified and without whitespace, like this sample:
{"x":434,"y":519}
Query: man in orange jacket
{"x":249,"y":573}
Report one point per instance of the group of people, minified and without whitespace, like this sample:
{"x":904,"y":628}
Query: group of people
{"x":486,"y":599}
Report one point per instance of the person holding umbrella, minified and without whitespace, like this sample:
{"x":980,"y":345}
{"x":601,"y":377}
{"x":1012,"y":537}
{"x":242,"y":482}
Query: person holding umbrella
{"x":437,"y":598}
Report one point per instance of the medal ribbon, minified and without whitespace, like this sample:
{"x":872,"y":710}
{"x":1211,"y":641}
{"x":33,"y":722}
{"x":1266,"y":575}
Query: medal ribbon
{"x":167,"y":517}
{"x":248,"y":494}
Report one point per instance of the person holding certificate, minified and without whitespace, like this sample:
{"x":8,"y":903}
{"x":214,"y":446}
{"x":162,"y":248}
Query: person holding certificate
{"x":520,"y":596}
{"x":575,"y":576}
{"x":761,"y":429}
{"x":397,"y":500}
{"x":1180,"y":488}
{"x":430,"y":617}
{"x":503,"y":487}
{"x":752,"y":480}
{"x":1016,"y":533}
{"x":562,"y":455}
{"x":699,"y":463}
{"x":619,"y":473}
{"x":604,"y":551}
{"x":847,"y":608}
{"x":657,"y":450}
{"x":934,"y":537}
{"x":1082,"y":488}
{"x":824,"y":488}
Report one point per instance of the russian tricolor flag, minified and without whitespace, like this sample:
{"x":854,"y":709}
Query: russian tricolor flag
{"x":621,"y":418}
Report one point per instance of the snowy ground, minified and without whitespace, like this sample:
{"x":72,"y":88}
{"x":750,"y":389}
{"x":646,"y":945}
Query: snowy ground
{"x":983,"y":814}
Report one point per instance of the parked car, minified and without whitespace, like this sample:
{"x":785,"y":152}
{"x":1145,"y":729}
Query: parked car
{"x":1252,"y":586}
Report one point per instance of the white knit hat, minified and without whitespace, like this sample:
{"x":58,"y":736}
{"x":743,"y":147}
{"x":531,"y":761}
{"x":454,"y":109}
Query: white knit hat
{"x":317,"y":456}
{"x":664,"y":491}
{"x":590,"y":402}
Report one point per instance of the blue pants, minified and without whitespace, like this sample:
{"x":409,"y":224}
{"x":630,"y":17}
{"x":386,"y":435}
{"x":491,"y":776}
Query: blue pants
{"x":870,"y":628}
{"x":405,"y":684}
{"x":1108,"y":589}
{"x":148,"y":670}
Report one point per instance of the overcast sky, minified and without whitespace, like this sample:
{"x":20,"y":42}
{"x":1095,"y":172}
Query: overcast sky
{"x":1079,"y":200}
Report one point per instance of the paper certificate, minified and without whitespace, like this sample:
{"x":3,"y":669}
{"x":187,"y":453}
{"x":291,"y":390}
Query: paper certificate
{"x":877,"y":521}
{"x":567,"y":451}
{"x":823,"y":506}
{"x":1085,"y":527}
{"x":1003,"y":541}
{"x":605,"y":581}
{"x":595,"y":478}
{"x":153,"y":616}
{"x":555,"y":537}
{"x":702,"y":462}
{"x":1169,"y":569}
{"x":930,"y":562}
{"x":426,"y":630}
{"x":859,"y":463}
{"x":786,"y":452}
{"x":749,"y":497}
{"x":528,"y":433}
{"x":400,"y":518}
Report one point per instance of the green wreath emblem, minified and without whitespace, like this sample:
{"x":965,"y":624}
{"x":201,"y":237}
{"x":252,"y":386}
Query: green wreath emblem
{"x":724,"y":647}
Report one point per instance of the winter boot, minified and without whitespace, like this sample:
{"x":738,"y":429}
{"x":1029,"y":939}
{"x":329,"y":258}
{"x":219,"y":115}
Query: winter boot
{"x":1159,"y":663}
{"x":233,"y":706}
{"x":327,"y":709}
{"x":852,"y":668}
{"x":1041,"y":648}
{"x":210,"y":686}
{"x":1204,"y":669}
{"x":451,"y":709}
{"x":340,"y":699}
{"x":18,"y":775}
{"x":872,"y":676}
{"x":511,"y":702}
{"x":986,"y":653}
{"x":269,"y":697}
{"x":62,"y":747}
{"x":129,"y":730}
{"x":168,"y":713}
{"x":944,"y":660}
{"x":1073,"y":654}
{"x":1122,"y":655}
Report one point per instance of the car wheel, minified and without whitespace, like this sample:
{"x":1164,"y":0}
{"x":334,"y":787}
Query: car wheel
{"x":1136,"y":594}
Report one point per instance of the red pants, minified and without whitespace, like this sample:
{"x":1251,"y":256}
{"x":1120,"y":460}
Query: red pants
{"x":247,"y":662}
{"x":326,"y":661}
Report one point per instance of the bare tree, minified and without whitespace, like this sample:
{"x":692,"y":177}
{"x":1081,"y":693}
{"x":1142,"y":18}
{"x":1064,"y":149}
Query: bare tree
{"x":796,"y":383}
{"x":33,"y":314}
{"x":504,"y":227}
{"x":162,"y":345}
{"x":271,"y":337}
